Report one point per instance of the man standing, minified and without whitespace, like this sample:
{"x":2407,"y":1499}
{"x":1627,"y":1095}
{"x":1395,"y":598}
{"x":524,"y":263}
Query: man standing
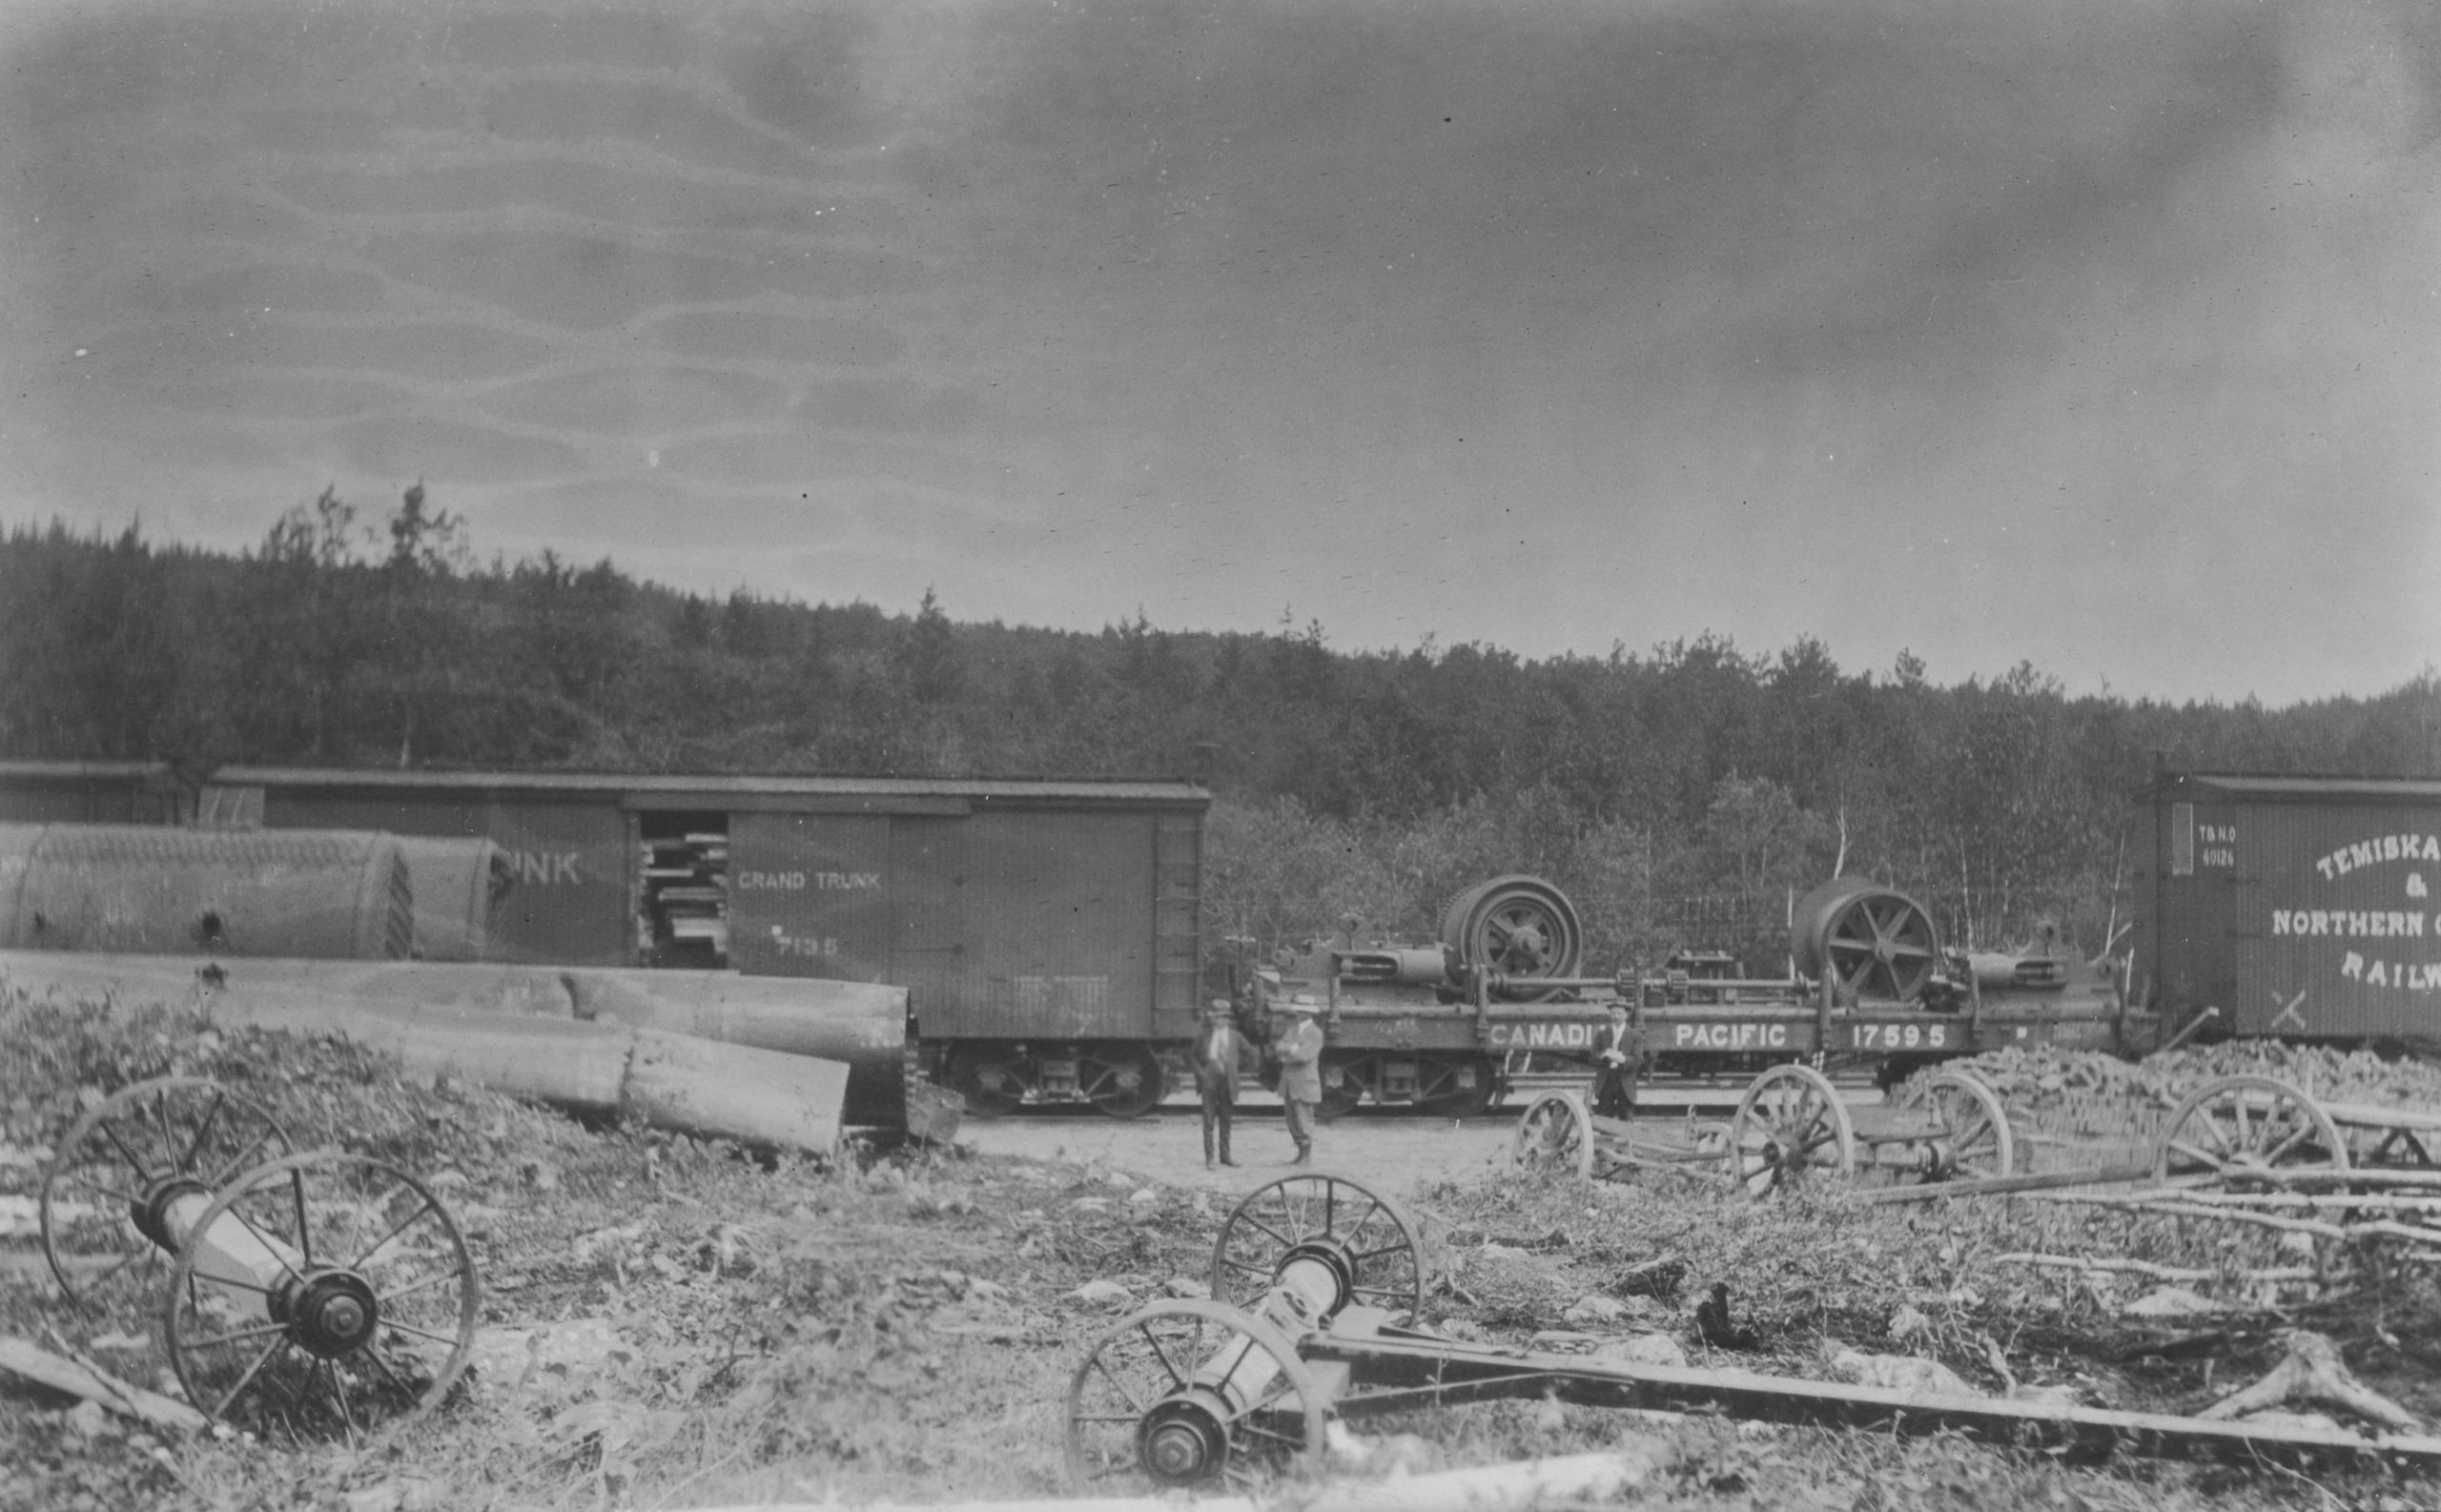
{"x":1299,"y":1050}
{"x":1215,"y":1077}
{"x":1618,"y":1055}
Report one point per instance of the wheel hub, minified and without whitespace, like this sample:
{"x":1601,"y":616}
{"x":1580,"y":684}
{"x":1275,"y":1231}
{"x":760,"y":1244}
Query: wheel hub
{"x":330,"y":1314}
{"x":150,"y":1212}
{"x":1333,"y":1256}
{"x":1182,"y":1441}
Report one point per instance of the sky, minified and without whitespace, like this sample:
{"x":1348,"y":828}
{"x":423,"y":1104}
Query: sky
{"x":2095,"y":334}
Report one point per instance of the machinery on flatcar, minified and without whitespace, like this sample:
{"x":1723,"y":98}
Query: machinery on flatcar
{"x":1503,"y":996}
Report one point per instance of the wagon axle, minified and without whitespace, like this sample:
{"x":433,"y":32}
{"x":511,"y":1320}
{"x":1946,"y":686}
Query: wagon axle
{"x":312,"y":1293}
{"x":1193,"y":1395}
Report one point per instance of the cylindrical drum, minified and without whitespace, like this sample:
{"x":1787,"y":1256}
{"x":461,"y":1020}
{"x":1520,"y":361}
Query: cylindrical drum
{"x":1875,"y":943}
{"x":316,"y":894}
{"x":1520,"y":928}
{"x":458,"y":885}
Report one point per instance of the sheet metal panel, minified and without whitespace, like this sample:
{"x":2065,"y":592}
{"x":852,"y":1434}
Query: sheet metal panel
{"x":1026,"y":924}
{"x":2336,"y":925}
{"x":809,"y":895}
{"x":157,"y":889}
{"x":2302,"y":906}
{"x":567,"y":863}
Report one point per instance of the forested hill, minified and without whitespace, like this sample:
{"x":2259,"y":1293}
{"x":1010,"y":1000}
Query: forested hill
{"x":1679,"y":793}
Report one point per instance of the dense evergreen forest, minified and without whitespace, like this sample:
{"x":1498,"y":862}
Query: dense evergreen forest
{"x":1681,"y":795}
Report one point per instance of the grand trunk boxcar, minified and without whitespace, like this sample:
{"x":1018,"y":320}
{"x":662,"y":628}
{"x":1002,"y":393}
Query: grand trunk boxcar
{"x":1046,"y":931}
{"x":2304,"y":908}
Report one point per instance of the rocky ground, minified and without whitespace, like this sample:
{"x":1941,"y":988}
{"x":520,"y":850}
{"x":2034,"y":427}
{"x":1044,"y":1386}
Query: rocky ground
{"x":672,"y":1323}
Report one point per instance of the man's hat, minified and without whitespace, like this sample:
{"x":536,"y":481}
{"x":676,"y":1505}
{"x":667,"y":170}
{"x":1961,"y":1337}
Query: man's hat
{"x":1302,"y":1002}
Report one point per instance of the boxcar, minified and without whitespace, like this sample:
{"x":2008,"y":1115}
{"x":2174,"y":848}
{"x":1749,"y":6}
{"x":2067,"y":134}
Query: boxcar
{"x":94,"y":793}
{"x":2305,"y":908}
{"x":1046,"y":931}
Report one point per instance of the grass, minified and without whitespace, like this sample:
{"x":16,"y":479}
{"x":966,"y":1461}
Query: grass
{"x":902,"y":1325}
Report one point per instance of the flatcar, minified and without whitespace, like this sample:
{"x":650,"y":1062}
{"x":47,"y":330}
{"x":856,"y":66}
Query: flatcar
{"x":1453,"y":1025}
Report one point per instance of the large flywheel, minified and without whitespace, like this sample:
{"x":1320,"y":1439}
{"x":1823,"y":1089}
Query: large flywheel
{"x":1520,"y":928}
{"x":1876,"y":944}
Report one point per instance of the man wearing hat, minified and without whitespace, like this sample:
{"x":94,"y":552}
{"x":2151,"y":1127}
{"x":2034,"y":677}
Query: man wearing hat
{"x":1215,"y":1076}
{"x":1299,"y":1050}
{"x":1618,"y":1056}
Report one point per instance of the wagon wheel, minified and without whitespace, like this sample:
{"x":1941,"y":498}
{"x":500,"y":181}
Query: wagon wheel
{"x":1880,"y":945}
{"x":368,"y":1309}
{"x":1124,"y":1081}
{"x":1365,"y":1241}
{"x":1192,"y":1394}
{"x":1554,"y":1134}
{"x":123,"y":1161}
{"x":1522,"y":927}
{"x":1443,"y":1090}
{"x":993,"y":1081}
{"x":1345,"y":1080}
{"x":1790,"y":1127}
{"x":2242,"y":1125}
{"x":1972,"y":1127}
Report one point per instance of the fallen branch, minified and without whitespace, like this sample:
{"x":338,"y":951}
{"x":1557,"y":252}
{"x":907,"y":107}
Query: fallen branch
{"x":2185,"y":1209}
{"x":2158,"y":1273}
{"x":90,"y":1381}
{"x":2312,"y":1371}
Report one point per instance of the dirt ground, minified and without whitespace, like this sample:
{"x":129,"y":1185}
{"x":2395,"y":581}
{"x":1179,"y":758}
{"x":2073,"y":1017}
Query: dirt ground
{"x":1390,"y":1149}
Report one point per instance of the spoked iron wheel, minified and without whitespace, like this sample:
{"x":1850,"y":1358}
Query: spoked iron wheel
{"x":119,"y":1166}
{"x":2242,"y":1126}
{"x":1362,"y":1237}
{"x":1971,"y":1127}
{"x":1790,"y":1129}
{"x":1194,"y":1395}
{"x":1124,"y":1081}
{"x":353,"y":1303}
{"x":1555,"y":1136}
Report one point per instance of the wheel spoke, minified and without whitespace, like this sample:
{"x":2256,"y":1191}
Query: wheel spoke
{"x":260,"y":1331}
{"x":111,"y":1134}
{"x":401,"y":1227}
{"x":203,"y":1129}
{"x":304,"y":1234}
{"x":273,"y":1348}
{"x":437,"y":1279}
{"x":421,"y":1333}
{"x":1163,"y":1354}
{"x":1112,"y":1376}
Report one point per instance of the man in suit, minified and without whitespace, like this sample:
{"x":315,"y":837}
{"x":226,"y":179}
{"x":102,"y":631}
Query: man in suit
{"x":1215,"y":1077}
{"x":1619,"y":1055}
{"x":1299,"y":1050}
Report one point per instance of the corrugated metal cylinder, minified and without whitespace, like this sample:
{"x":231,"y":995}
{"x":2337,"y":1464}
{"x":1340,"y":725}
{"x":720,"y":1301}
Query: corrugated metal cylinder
{"x":458,"y":884}
{"x":310,"y":893}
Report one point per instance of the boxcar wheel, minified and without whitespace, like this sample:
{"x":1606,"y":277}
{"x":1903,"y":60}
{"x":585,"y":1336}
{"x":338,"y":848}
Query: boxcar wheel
{"x":1124,"y":1081}
{"x":1441,"y":1086}
{"x":1345,"y":1082}
{"x":992,"y":1080}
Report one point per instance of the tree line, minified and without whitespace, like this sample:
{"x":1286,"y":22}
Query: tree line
{"x":1682,"y":796}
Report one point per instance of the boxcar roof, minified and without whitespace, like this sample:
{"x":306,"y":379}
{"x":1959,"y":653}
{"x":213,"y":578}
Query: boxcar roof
{"x":2269,"y":789}
{"x":83,"y":770}
{"x":711,"y":789}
